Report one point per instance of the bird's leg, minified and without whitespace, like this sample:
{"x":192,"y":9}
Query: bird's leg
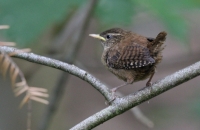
{"x":148,"y":84}
{"x":113,"y":91}
{"x":149,"y":81}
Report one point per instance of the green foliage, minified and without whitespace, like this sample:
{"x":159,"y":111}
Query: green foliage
{"x":28,"y":19}
{"x":115,"y":12}
{"x":172,"y":14}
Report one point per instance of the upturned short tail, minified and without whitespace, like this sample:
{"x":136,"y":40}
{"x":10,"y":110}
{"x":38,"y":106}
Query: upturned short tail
{"x":156,"y":47}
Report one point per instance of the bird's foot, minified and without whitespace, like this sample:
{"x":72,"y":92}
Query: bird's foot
{"x":113,"y":91}
{"x":148,"y":84}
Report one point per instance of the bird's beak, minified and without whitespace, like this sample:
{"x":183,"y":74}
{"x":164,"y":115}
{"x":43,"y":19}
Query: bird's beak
{"x":97,"y":36}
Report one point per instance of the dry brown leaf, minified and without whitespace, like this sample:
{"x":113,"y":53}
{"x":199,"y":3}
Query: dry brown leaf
{"x":14,"y":76}
{"x":19,"y":90}
{"x":1,"y":58}
{"x":7,"y":64}
{"x":24,"y":101}
{"x":41,"y":100}
{"x":39,"y":89}
{"x":39,"y":94}
{"x":4,"y":26}
{"x":22,"y":83}
{"x":7,"y":43}
{"x":20,"y":51}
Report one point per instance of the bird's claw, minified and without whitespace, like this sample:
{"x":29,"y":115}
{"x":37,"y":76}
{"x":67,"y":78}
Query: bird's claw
{"x":148,"y":84}
{"x":113,"y":91}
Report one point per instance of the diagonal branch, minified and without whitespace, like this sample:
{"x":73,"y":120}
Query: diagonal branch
{"x":62,"y":66}
{"x":121,"y":105}
{"x":69,"y":57}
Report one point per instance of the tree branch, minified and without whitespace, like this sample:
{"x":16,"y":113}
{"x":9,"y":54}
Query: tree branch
{"x":120,"y":105}
{"x":69,"y":56}
{"x":61,"y":66}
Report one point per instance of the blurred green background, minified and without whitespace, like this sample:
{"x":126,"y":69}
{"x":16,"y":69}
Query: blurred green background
{"x":51,"y":28}
{"x":30,"y":19}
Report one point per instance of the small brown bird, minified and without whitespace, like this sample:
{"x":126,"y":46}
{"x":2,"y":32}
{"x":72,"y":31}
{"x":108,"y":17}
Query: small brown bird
{"x":131,"y":57}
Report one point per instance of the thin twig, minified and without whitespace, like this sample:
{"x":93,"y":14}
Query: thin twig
{"x":141,"y":117}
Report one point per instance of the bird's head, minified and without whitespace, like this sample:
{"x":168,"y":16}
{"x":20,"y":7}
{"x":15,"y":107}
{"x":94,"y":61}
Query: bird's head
{"x":110,"y":37}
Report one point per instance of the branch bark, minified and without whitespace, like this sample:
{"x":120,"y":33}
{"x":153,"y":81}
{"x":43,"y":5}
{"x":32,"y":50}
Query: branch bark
{"x":120,"y":105}
{"x":69,"y":56}
{"x":103,"y":89}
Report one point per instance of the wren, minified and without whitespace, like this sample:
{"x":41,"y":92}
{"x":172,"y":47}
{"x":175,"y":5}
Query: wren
{"x":130,"y":56}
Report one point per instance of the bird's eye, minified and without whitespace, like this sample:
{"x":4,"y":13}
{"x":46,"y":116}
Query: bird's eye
{"x":108,"y":36}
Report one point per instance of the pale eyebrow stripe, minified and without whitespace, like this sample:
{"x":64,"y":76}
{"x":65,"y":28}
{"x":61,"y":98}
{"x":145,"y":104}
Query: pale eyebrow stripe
{"x":115,"y":34}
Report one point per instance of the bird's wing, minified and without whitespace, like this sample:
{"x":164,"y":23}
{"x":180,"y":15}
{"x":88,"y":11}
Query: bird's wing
{"x":133,"y":56}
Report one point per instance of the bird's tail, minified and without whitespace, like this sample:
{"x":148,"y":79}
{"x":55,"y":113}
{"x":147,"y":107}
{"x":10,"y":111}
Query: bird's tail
{"x":156,"y":46}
